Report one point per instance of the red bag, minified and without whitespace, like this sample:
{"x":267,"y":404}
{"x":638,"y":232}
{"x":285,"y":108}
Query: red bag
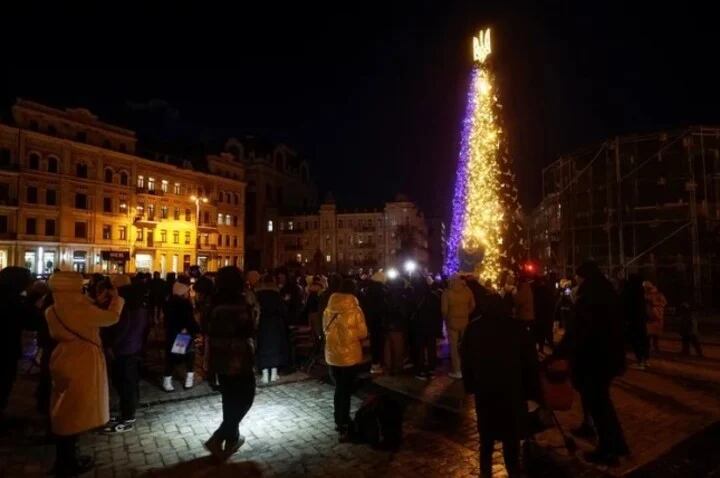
{"x":556,"y":387}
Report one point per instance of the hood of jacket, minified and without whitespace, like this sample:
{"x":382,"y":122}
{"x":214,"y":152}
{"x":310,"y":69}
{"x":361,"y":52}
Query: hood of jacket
{"x":340,"y":303}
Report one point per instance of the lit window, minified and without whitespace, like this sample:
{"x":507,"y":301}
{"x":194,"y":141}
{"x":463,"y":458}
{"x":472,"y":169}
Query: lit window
{"x":164,"y":186}
{"x":228,"y":221}
{"x":151,"y":184}
{"x":177,"y":188}
{"x":328,"y":258}
{"x":141,"y":182}
{"x":299,"y":257}
{"x":291,"y":225}
{"x":123,"y":233}
{"x":220,"y":218}
{"x":270,"y":226}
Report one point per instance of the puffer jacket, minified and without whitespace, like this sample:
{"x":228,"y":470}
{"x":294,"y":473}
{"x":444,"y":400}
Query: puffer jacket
{"x":457,"y":304}
{"x":344,"y":327}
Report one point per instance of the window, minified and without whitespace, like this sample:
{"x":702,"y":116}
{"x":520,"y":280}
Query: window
{"x":235,"y":242}
{"x":122,"y":147}
{"x":151,"y":184}
{"x":80,"y":230}
{"x":270,"y":226}
{"x":139,"y":236}
{"x":237,"y":199}
{"x":163,"y":236}
{"x":268,"y":192}
{"x":34,"y":125}
{"x":187,"y":215}
{"x":328,"y":258}
{"x":164,"y":212}
{"x":291,"y":226}
{"x":176,"y":189}
{"x":30,"y":225}
{"x":108,"y":175}
{"x":123,"y":205}
{"x":80,"y":201}
{"x":107,"y":231}
{"x":228,"y":198}
{"x":52,"y":164}
{"x":34,"y":161}
{"x":3,"y":224}
{"x":31,"y":195}
{"x":164,"y":185}
{"x":227,"y":219}
{"x":124,"y":178}
{"x":5,"y":156}
{"x":49,"y":227}
{"x":235,"y":221}
{"x":206,"y":217}
{"x":106,"y":144}
{"x":51,"y":197}
{"x":220,"y":196}
{"x":187,"y":237}
{"x":340,"y":223}
{"x":227,"y":241}
{"x":122,"y":233}
{"x":81,"y":136}
{"x":51,"y":130}
{"x":107,"y":204}
{"x":176,"y":237}
{"x":140,"y":182}
{"x":81,"y":170}
{"x":220,"y":218}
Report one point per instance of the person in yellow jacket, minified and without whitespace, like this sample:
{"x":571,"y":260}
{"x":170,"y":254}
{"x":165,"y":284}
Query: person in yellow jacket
{"x":79,"y":400}
{"x":344,"y":328}
{"x":457,"y":304}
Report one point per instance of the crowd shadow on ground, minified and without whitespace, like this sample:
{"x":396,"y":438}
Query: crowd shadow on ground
{"x":207,"y":467}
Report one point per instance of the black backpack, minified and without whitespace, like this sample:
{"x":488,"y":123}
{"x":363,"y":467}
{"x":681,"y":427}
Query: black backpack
{"x":378,"y":422}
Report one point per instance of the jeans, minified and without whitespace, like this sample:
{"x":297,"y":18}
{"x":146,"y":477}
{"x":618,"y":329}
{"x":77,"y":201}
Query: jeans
{"x":126,"y":379}
{"x":344,"y":378}
{"x":173,"y":360}
{"x":424,"y":353}
{"x":596,"y":397}
{"x":238,"y":394}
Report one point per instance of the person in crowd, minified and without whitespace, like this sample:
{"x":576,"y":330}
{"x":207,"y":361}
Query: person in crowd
{"x":427,"y":322}
{"x":345,"y":329}
{"x":179,"y":320}
{"x":634,"y":313}
{"x":273,"y":345}
{"x":593,"y":343}
{"x":80,"y":399}
{"x":40,"y":298}
{"x":498,"y":355}
{"x":127,"y":341}
{"x":158,"y":293}
{"x":333,"y":285}
{"x":292,"y":294}
{"x":457,"y":303}
{"x":689,"y":330}
{"x":229,"y":328}
{"x":374,"y":305}
{"x":544,"y":308}
{"x":395,"y":326}
{"x":655,"y":304}
{"x":480,"y":294}
{"x":312,"y":305}
{"x":14,"y":281}
{"x":524,"y":303}
{"x":564,"y":305}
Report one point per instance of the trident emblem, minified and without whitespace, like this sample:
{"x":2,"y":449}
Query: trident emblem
{"x":481,"y":46}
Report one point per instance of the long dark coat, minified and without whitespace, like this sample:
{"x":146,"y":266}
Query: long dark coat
{"x":497,"y":360}
{"x":273,"y":346}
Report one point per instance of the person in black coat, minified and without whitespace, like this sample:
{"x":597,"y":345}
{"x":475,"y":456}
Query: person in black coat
{"x":273,"y":344}
{"x":179,"y":319}
{"x":634,"y":313}
{"x":543,"y":295}
{"x":374,"y":306}
{"x":593,"y":343}
{"x":498,"y":357}
{"x":427,"y":323}
{"x":395,"y":325}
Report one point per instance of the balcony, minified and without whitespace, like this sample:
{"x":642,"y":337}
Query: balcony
{"x":145,"y":220}
{"x":8,"y":236}
{"x":365,"y":245}
{"x":9,"y":202}
{"x":208,"y":227}
{"x":153,"y":192}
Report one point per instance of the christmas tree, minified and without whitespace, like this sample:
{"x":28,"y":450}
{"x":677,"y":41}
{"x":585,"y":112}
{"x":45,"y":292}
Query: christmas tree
{"x":486,"y":235}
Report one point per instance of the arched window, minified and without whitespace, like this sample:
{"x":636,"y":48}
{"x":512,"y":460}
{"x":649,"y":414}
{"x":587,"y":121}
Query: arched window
{"x":106,"y":144}
{"x":220,"y":196}
{"x":108,"y":175}
{"x":52,"y":130}
{"x":228,"y":199}
{"x":52,"y":164}
{"x":124,"y":178}
{"x":81,"y":170}
{"x":237,"y":199}
{"x":34,"y":161}
{"x":34,"y":125}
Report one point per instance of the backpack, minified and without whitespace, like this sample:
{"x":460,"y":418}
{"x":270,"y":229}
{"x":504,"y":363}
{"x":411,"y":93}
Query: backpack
{"x":378,"y":422}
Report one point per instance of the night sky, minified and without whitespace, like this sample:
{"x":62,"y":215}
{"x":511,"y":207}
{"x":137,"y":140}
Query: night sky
{"x":374,"y":95}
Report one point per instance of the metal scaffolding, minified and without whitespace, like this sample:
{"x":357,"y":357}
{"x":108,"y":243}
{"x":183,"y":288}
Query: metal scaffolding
{"x":646,"y":204}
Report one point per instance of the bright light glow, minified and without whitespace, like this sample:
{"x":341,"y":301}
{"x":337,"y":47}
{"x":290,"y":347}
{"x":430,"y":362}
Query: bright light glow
{"x":204,"y":199}
{"x":410,"y":266}
{"x":193,"y":198}
{"x":392,"y":273}
{"x":270,"y":226}
{"x":482,"y":46}
{"x":480,"y":220}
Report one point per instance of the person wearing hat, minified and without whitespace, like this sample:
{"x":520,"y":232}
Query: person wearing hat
{"x":179,"y":319}
{"x":126,"y":347}
{"x":80,"y":399}
{"x":593,"y":343}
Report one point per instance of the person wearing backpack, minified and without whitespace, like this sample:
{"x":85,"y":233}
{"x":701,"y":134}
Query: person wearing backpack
{"x":344,"y":328}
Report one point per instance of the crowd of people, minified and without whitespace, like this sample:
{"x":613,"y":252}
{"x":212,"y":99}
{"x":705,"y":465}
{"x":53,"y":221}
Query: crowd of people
{"x":95,"y":333}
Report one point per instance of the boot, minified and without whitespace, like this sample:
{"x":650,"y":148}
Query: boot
{"x":266,"y":376}
{"x":189,"y":380}
{"x":273,"y":375}
{"x":167,"y":384}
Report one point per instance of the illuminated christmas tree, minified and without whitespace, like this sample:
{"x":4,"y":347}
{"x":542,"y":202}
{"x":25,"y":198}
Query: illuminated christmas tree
{"x":485,"y":236}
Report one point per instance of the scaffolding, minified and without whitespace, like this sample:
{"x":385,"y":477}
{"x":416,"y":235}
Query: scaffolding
{"x":647,"y":204}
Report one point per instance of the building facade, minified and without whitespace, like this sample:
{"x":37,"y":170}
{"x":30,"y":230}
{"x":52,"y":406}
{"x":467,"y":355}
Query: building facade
{"x":75,"y":196}
{"x":278,"y":183}
{"x":647,"y":204}
{"x":340,"y":241}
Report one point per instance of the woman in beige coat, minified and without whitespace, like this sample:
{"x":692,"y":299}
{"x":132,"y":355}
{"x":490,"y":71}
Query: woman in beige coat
{"x":79,"y":400}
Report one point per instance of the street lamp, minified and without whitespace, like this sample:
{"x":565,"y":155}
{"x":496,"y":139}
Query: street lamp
{"x":410,"y":266}
{"x":392,"y":273}
{"x":197,"y":200}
